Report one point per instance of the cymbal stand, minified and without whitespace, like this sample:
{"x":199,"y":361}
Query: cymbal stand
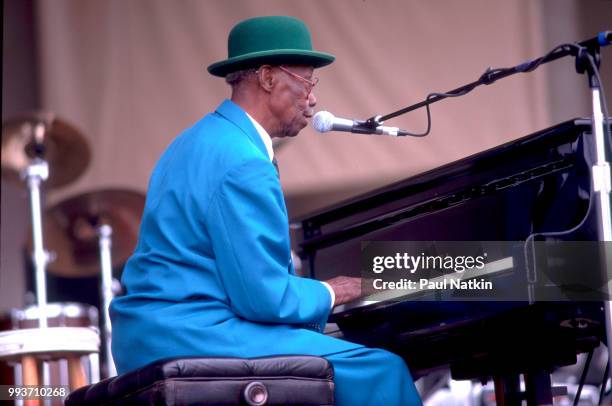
{"x":36,"y":173}
{"x":105,"y":232}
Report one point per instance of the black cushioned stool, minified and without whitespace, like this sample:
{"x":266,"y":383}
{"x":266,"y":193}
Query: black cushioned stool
{"x":286,"y":380}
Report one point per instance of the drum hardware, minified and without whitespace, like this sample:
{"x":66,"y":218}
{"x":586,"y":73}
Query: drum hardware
{"x":72,"y":230}
{"x":72,"y":315}
{"x":81,"y":230}
{"x":29,"y":346}
{"x":116,"y":287}
{"x":105,"y":232}
{"x":43,"y":135}
{"x":29,"y":144}
{"x":36,"y":173}
{"x":65,"y":314}
{"x":44,"y":149}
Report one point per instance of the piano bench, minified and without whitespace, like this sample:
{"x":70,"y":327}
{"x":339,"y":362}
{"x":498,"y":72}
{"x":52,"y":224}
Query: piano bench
{"x":280,"y":380}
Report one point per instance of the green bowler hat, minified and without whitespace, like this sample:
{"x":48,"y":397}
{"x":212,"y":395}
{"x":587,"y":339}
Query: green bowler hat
{"x":273,"y":40}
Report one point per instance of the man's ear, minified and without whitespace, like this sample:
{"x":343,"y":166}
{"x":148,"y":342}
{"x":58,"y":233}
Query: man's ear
{"x":266,"y":78}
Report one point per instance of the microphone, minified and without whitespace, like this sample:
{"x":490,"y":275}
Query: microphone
{"x":325,"y":121}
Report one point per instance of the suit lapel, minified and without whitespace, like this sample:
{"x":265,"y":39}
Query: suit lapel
{"x":234,"y":114}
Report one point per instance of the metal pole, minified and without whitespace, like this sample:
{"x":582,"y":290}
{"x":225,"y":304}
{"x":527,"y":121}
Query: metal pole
{"x":602,"y":187}
{"x":105,"y":242}
{"x":36,"y":173}
{"x":601,"y":169}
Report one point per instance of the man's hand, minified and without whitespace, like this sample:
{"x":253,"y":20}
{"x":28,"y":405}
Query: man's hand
{"x":346,"y":288}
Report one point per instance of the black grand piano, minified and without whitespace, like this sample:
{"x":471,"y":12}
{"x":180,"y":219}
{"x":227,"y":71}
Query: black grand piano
{"x":536,"y":185}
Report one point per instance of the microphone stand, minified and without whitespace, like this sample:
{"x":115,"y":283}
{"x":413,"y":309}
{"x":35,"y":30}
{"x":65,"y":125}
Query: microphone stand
{"x":492,"y":75}
{"x":587,"y":54}
{"x":600,"y":172}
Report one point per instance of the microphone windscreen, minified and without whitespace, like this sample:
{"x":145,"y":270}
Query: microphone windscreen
{"x":323,"y":121}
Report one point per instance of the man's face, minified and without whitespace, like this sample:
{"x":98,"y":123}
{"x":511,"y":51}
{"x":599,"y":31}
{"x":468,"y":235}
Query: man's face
{"x":292,"y":100}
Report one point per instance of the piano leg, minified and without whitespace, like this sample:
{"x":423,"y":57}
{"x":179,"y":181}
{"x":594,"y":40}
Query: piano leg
{"x":508,"y":390}
{"x":538,"y":388}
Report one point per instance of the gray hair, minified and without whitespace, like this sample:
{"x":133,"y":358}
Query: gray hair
{"x":234,"y":78}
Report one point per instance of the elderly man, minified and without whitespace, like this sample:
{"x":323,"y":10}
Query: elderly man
{"x":212,"y":272}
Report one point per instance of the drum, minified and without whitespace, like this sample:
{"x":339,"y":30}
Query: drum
{"x":58,"y":315}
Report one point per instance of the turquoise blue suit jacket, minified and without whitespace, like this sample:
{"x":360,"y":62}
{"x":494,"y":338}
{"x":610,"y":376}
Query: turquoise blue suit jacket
{"x":211,"y":274}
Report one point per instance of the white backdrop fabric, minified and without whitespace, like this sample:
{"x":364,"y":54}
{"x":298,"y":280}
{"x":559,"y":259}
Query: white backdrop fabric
{"x":131,"y":75}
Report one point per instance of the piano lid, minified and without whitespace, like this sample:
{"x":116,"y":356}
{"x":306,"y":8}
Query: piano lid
{"x":537,"y":155}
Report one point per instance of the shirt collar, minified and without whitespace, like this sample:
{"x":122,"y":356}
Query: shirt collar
{"x":263,"y":134}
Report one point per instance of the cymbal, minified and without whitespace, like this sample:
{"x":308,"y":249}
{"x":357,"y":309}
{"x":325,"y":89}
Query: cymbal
{"x":70,"y":230}
{"x":65,"y":149}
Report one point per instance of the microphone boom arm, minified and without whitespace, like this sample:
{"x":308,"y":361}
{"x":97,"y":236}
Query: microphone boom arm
{"x":590,"y":46}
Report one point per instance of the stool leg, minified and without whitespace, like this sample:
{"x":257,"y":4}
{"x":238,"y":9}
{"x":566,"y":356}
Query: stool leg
{"x":76,"y":373}
{"x":29,"y":371}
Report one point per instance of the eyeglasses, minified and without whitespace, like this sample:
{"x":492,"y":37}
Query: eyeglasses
{"x":309,"y":83}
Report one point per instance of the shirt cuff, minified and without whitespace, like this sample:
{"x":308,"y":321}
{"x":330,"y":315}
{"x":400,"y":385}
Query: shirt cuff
{"x":331,"y":293}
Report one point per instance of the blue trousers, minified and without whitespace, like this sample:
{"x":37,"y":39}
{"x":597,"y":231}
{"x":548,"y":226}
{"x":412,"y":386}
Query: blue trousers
{"x":369,"y":376}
